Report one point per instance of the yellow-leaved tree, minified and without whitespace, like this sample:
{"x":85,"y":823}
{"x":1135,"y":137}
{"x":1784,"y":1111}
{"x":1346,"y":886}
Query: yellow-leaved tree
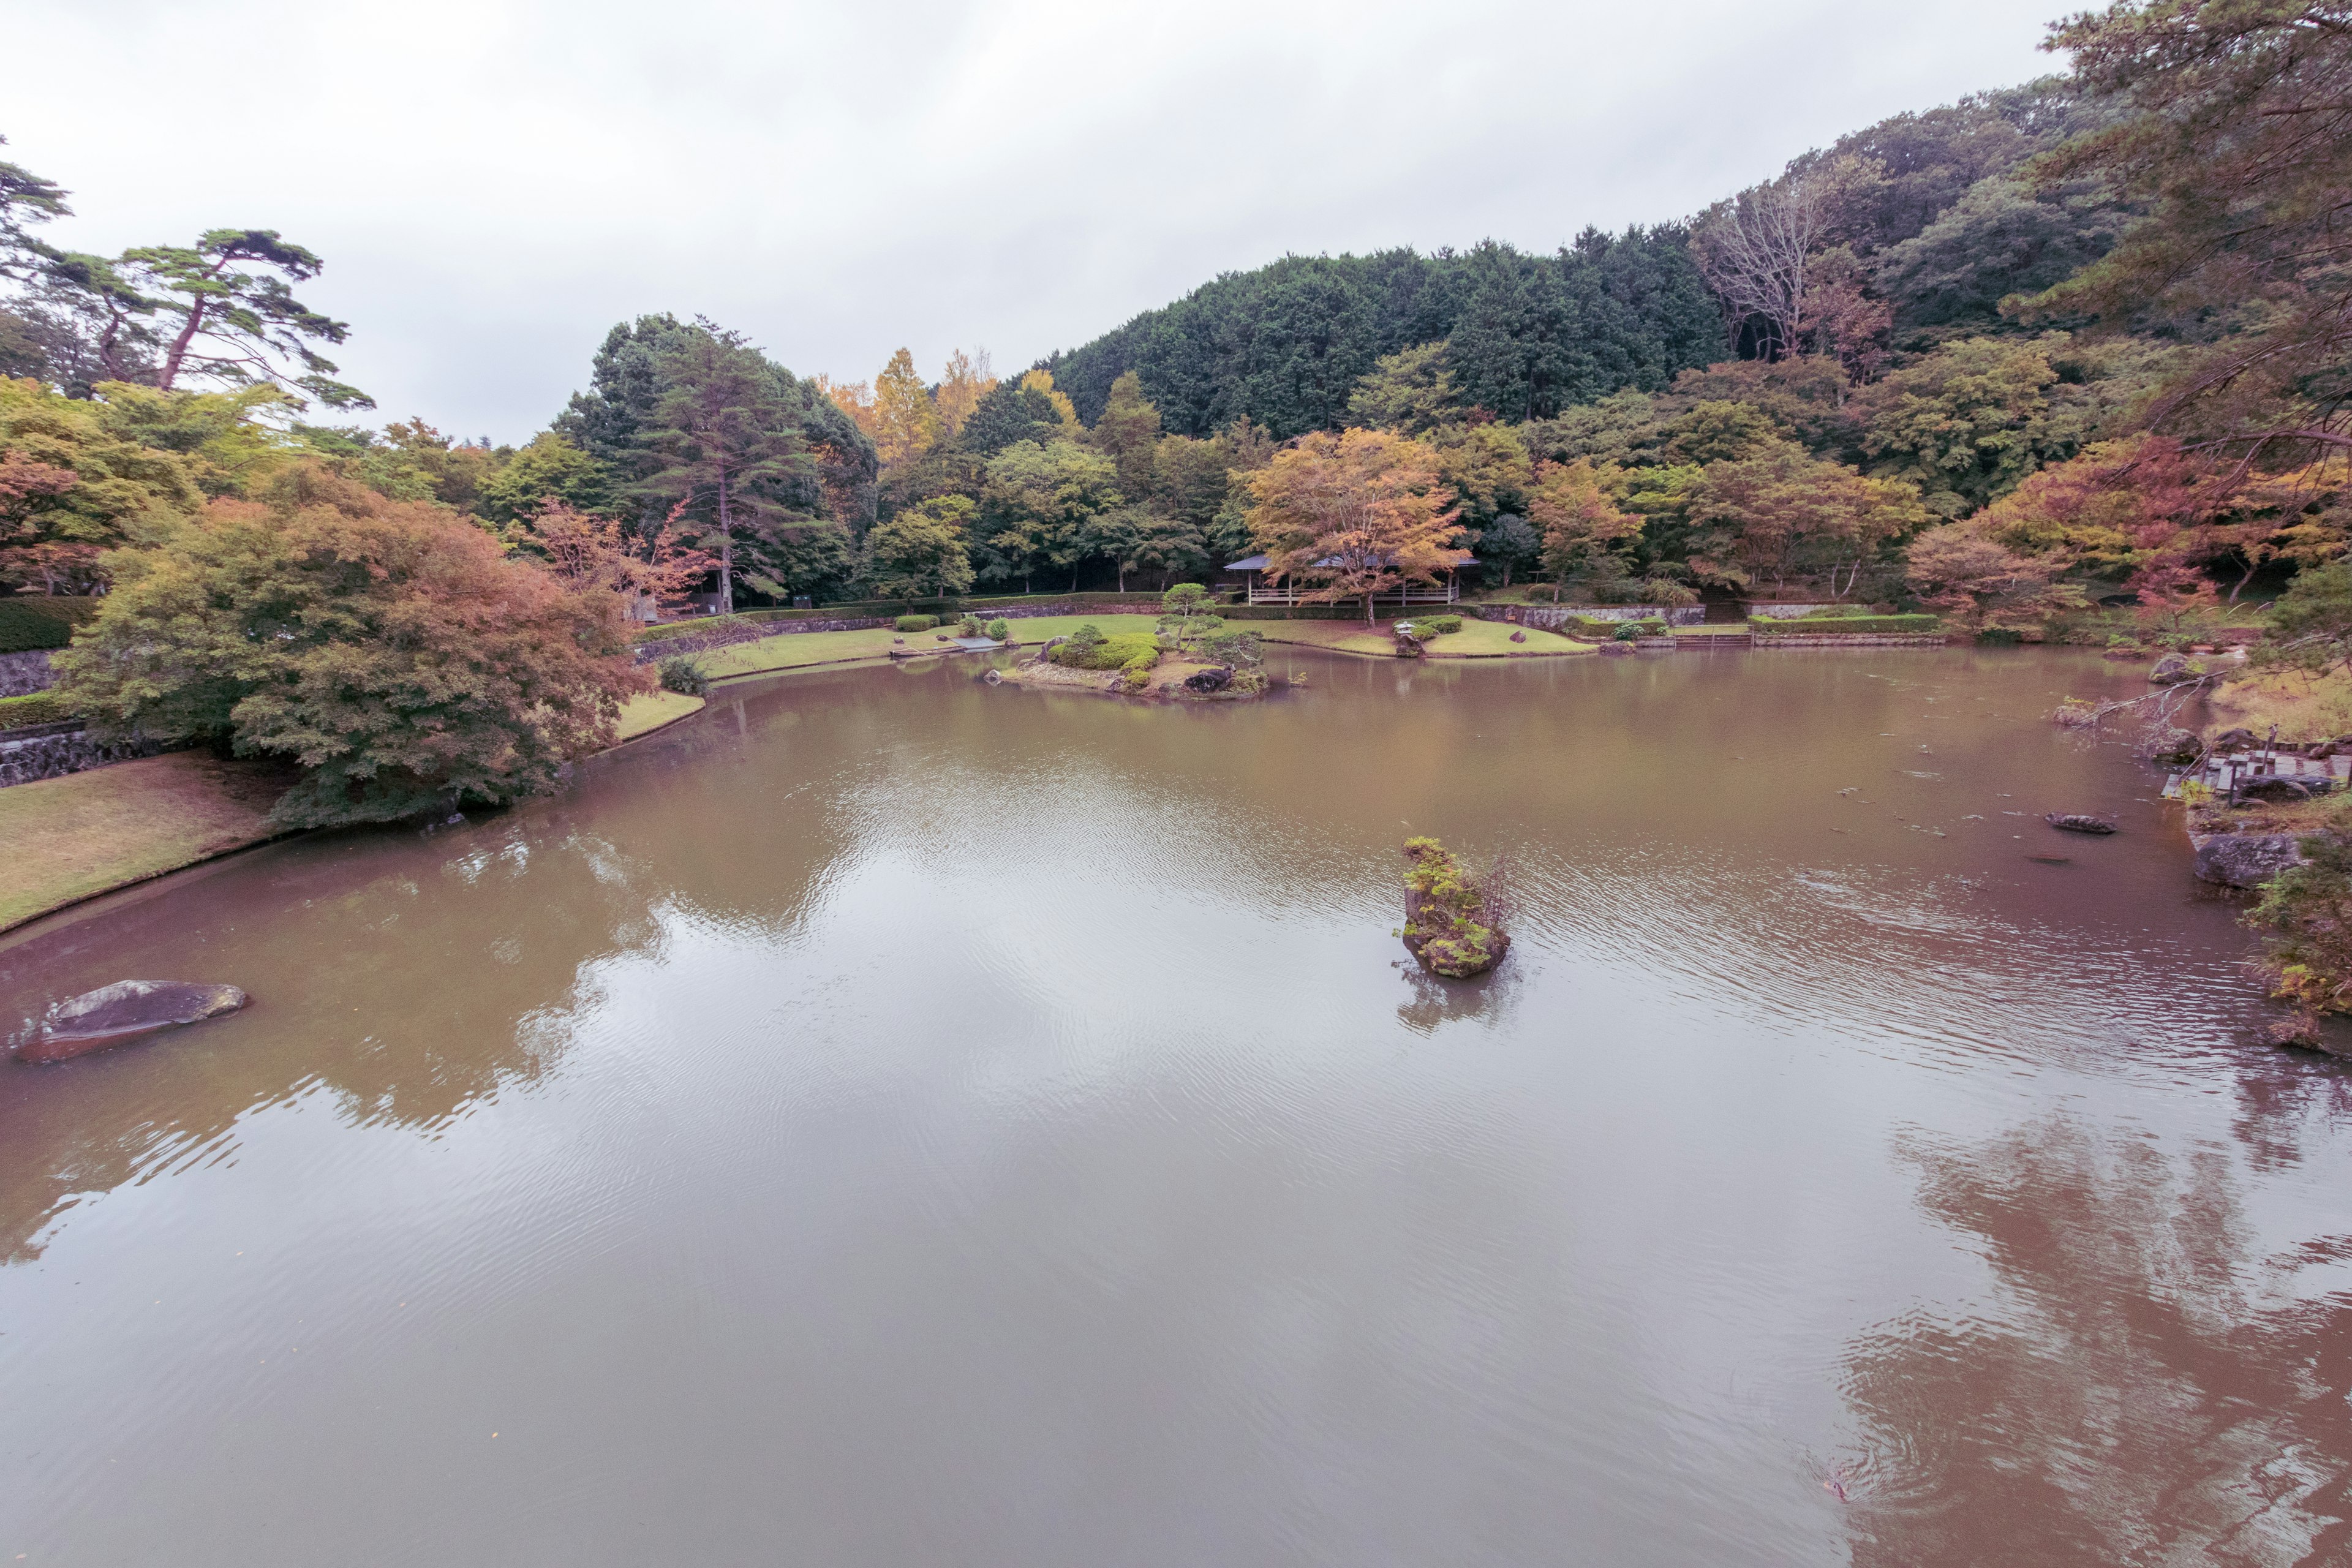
{"x":906,"y":425}
{"x":1043,"y":381}
{"x":966,"y":380}
{"x":1353,"y":515}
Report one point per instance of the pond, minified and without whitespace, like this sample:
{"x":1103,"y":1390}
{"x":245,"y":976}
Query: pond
{"x":891,"y":1120}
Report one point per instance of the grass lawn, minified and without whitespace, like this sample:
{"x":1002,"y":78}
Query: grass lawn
{"x":89,"y":832}
{"x":644,"y":715}
{"x":1492,"y":640}
{"x":1341,"y":637}
{"x":799,"y":650}
{"x":2303,"y":707}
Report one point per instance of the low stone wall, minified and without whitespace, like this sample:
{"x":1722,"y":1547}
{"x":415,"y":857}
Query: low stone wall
{"x":1552,"y":618}
{"x":53,"y":750}
{"x":1765,"y":610}
{"x":22,"y":674}
{"x":1853,"y":640}
{"x":735,"y":632}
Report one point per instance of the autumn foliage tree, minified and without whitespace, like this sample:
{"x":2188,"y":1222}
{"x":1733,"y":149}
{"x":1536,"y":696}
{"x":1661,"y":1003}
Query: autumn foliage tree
{"x":1354,"y":515}
{"x":1582,"y":529}
{"x":389,"y":648}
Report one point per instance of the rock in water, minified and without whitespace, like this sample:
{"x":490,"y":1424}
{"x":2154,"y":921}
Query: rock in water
{"x":2172,"y":670}
{"x":124,"y":1011}
{"x":2244,"y":859}
{"x":1206,"y":681}
{"x":2077,"y":822}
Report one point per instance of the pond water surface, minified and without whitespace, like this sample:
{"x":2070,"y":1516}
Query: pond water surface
{"x":893,"y":1121}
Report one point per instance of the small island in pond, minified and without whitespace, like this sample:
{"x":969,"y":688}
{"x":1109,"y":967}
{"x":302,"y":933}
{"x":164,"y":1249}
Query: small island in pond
{"x":1453,"y":926}
{"x":1192,"y":656}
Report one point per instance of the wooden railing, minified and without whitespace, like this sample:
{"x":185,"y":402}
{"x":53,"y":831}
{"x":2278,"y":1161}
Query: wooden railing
{"x":1448,"y":594}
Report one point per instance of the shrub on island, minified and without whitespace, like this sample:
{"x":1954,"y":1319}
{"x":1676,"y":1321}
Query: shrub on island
{"x":1452,"y":926}
{"x":1089,"y":650}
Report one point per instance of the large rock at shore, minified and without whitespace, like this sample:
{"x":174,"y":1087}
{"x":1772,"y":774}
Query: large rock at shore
{"x":2244,"y":859}
{"x":124,"y":1011}
{"x":2173,"y":669}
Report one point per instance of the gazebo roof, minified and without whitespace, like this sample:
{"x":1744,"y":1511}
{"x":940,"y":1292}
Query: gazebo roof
{"x":1248,"y":563}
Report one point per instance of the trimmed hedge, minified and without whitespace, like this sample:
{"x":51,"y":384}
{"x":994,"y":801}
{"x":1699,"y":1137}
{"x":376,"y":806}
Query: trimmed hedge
{"x":1120,"y":652}
{"x":1586,"y":626}
{"x":40,"y":708}
{"x":1435,"y":625}
{"x":914,"y":622}
{"x":1850,"y":626}
{"x":29,"y":621}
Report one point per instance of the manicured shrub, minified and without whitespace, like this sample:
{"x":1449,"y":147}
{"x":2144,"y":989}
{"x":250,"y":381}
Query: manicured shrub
{"x":29,"y":621}
{"x":1089,"y":650}
{"x":1240,"y":649}
{"x":40,"y":708}
{"x":1833,"y":612}
{"x":917,"y":623}
{"x":681,"y":674}
{"x":969,"y":626}
{"x":1000,"y":628}
{"x":1435,"y":625}
{"x":1136,"y":673}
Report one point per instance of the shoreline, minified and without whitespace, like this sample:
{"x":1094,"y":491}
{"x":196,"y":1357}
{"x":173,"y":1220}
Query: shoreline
{"x":847,"y":648}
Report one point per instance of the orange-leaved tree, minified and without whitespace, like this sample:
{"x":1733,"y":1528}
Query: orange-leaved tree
{"x":1584,"y":534}
{"x":1354,"y":515}
{"x":588,"y":551}
{"x":391,"y":648}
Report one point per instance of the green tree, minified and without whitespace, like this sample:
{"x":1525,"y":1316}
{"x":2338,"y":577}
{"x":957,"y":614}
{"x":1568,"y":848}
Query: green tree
{"x":550,"y":468}
{"x":1410,"y":392}
{"x":25,"y":198}
{"x":1128,"y":431}
{"x":2231,"y":128}
{"x":727,"y":445}
{"x":1969,"y":422}
{"x":1510,"y":545}
{"x":1053,"y":497}
{"x":388,"y":649}
{"x":1169,"y":546}
{"x":221,"y":309}
{"x":52,"y":535}
{"x":1486,"y":468}
{"x":921,"y":553}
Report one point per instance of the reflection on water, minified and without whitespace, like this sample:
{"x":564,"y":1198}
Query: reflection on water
{"x":2145,"y":1385}
{"x":889,"y":1119}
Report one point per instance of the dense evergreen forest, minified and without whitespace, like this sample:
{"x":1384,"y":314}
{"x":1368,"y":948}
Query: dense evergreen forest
{"x":2004,"y":358}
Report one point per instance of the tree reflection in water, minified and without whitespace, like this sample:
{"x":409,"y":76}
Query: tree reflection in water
{"x":2151,"y":1392}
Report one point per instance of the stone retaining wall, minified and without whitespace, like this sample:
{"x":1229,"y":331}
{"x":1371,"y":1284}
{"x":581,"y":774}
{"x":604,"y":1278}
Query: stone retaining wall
{"x":22,"y":674}
{"x":53,"y":750}
{"x":1852,"y":639}
{"x":1552,"y":618}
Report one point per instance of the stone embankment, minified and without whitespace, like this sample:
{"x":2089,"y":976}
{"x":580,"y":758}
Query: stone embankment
{"x":53,"y":750}
{"x":22,"y":674}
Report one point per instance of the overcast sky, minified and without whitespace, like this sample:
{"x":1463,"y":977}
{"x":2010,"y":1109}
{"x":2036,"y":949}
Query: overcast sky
{"x":494,"y":182}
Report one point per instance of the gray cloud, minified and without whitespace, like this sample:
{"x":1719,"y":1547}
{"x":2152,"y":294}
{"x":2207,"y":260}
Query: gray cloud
{"x":495,"y":182}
